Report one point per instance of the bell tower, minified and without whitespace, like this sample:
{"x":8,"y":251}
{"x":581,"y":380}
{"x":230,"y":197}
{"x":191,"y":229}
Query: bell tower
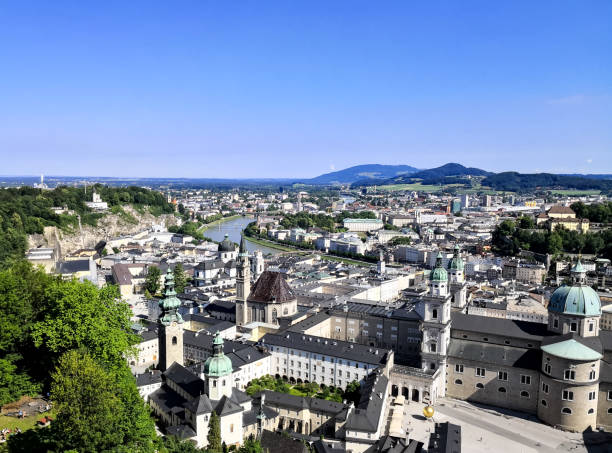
{"x":243,"y":284}
{"x":170,"y":327}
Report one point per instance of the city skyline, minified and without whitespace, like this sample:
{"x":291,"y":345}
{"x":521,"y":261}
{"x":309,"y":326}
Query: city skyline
{"x":312,"y":88}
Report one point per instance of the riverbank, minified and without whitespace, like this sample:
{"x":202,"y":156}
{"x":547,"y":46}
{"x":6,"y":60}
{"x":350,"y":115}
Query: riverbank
{"x":208,"y":226}
{"x":287,"y":248}
{"x":272,"y":244}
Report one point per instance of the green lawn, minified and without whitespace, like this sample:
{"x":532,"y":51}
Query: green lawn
{"x":207,"y":226}
{"x":272,"y":244}
{"x":23,"y":423}
{"x":575,"y":192}
{"x":418,"y":187}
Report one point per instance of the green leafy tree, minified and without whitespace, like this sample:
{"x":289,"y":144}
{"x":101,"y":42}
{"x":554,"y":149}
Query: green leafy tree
{"x":251,"y":446}
{"x":214,"y":434}
{"x":88,"y":408}
{"x":152,"y":281}
{"x":180,"y":278}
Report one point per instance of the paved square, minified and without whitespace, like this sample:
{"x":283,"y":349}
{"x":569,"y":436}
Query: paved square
{"x":487,"y":430}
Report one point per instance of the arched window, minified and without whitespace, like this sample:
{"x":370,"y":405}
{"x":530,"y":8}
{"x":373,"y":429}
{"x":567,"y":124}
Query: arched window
{"x":566,"y":410}
{"x":502,"y":390}
{"x":592,"y":375}
{"x":458,"y":382}
{"x":174,"y":340}
{"x":543,"y":402}
{"x":480,"y":385}
{"x":433,"y":347}
{"x":525,"y":394}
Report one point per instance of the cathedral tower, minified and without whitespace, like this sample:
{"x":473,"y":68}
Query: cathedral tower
{"x":218,"y":371}
{"x":458,"y":286}
{"x":243,"y":284}
{"x":170,"y":327}
{"x":435,"y":310}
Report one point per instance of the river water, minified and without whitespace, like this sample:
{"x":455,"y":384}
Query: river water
{"x":234,"y":228}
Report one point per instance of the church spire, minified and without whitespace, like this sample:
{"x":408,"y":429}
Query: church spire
{"x":170,"y":303}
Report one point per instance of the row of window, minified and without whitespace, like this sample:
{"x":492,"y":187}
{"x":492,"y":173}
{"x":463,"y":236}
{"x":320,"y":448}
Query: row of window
{"x":480,"y":385}
{"x":569,"y":375}
{"x":321,"y":358}
{"x":573,"y":326}
{"x":568,"y":411}
{"x":501,"y":375}
{"x":529,"y":345}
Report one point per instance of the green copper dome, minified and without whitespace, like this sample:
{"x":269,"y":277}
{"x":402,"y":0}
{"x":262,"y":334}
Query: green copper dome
{"x":439,"y":274}
{"x":578,"y":300}
{"x":219,"y":364}
{"x":456,"y":263}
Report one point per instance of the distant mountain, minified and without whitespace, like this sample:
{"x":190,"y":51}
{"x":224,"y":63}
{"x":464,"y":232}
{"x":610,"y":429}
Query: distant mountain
{"x":590,"y":175}
{"x":450,"y":169}
{"x":372,"y":172}
{"x":447,"y":173}
{"x":513,"y":181}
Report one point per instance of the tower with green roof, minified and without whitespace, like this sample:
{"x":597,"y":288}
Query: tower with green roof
{"x":434,"y":309}
{"x":218,"y":370}
{"x":243,"y":284}
{"x":575,"y":308}
{"x":170,"y":326}
{"x":458,"y":286}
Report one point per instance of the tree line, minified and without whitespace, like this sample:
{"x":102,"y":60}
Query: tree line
{"x":509,"y":237}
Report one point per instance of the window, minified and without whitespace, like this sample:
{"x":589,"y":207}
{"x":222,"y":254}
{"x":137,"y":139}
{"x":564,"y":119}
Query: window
{"x":525,"y":394}
{"x":502,"y":390}
{"x":458,"y":382}
{"x":544,"y":403}
{"x":480,"y":385}
{"x":547,"y":368}
{"x":480,"y":372}
{"x":591,"y":396}
{"x":567,"y":395}
{"x":379,"y":326}
{"x":458,"y":368}
{"x":506,"y":341}
{"x":609,"y":395}
{"x":232,"y":428}
{"x":566,"y":410}
{"x":502,"y":375}
{"x":365,"y":333}
{"x":394,"y":328}
{"x":556,"y":323}
{"x":591,"y":327}
{"x":485,"y":339}
{"x":590,"y":411}
{"x":174,"y":340}
{"x":573,"y":328}
{"x":434,"y":313}
{"x":610,"y":410}
{"x":592,"y":375}
{"x":433,"y":347}
{"x":569,"y":375}
{"x":526,"y":380}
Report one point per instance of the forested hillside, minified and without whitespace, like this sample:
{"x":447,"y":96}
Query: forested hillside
{"x":27,"y":210}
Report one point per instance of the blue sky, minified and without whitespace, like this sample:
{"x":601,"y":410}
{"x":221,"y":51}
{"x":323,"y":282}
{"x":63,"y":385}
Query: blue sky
{"x":299,"y":88}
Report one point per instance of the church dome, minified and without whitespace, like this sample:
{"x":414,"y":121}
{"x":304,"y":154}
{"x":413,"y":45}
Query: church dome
{"x":579,"y":300}
{"x":439,"y":274}
{"x":226,"y":245}
{"x":219,"y":364}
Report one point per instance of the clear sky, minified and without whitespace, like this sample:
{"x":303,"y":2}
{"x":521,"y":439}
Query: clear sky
{"x":297,"y":88}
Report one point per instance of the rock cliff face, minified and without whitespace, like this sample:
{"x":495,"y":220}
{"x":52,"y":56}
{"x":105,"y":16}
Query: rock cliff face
{"x":109,"y":226}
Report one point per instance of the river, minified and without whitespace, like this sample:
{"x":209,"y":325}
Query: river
{"x":234,"y":228}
